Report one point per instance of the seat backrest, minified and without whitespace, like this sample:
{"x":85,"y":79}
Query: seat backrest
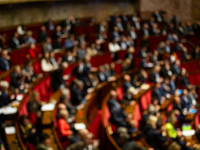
{"x":96,"y":125}
{"x":137,"y":115}
{"x":23,"y":107}
{"x":106,"y":116}
{"x":196,"y":120}
{"x":120,"y":93}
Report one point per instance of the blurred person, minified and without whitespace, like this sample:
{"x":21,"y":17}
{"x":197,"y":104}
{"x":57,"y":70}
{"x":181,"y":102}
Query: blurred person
{"x":129,"y":53}
{"x":14,"y":42}
{"x":68,"y":57}
{"x":46,"y":63}
{"x":114,"y":46}
{"x":42,"y":35}
{"x":185,"y":55}
{"x":81,"y":52}
{"x":126,"y":65}
{"x":92,"y":50}
{"x":154,"y":74}
{"x":57,"y":44}
{"x":196,"y":52}
{"x":145,"y":30}
{"x":123,"y":43}
{"x":27,"y":131}
{"x":157,"y":93}
{"x":57,"y":77}
{"x":50,"y":25}
{"x":34,"y":51}
{"x":132,"y":33}
{"x":29,"y":39}
{"x":4,"y":60}
{"x":184,"y":81}
{"x":101,"y":74}
{"x":63,"y":128}
{"x":71,"y":42}
{"x":44,"y":144}
{"x":47,"y":46}
{"x":175,"y":68}
{"x":127,"y":83}
{"x":115,"y":35}
{"x":172,"y":120}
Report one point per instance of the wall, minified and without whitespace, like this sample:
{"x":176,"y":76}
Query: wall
{"x":183,"y":8}
{"x":195,"y":9}
{"x":25,"y":13}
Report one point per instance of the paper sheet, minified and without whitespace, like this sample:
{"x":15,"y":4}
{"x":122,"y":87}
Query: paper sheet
{"x":79,"y":126}
{"x":48,"y":106}
{"x":10,"y":130}
{"x":8,"y":110}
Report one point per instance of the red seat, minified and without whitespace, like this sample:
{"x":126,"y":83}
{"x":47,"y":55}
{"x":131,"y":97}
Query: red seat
{"x":106,"y":116}
{"x":37,"y":67}
{"x":196,"y":120}
{"x":120,"y":93}
{"x":95,"y":126}
{"x":118,"y":68}
{"x":170,"y":107}
{"x":137,"y":115}
{"x":23,"y":107}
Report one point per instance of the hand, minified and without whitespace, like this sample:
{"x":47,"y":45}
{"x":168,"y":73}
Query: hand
{"x":33,"y":130}
{"x":96,"y":143}
{"x":66,"y":77}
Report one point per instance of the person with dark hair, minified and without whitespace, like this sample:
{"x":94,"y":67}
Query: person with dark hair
{"x":27,"y":131}
{"x":57,"y":77}
{"x":42,"y":35}
{"x":44,"y":144}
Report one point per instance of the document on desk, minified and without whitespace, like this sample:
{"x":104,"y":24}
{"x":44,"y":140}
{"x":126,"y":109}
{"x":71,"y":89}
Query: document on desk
{"x":188,"y":132}
{"x":79,"y":126}
{"x":10,"y":130}
{"x":48,"y":106}
{"x":8,"y":110}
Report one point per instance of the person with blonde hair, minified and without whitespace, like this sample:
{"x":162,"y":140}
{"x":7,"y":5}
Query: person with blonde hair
{"x":63,"y":127}
{"x":126,"y":65}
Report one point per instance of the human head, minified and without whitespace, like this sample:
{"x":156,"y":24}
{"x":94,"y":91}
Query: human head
{"x":34,"y":96}
{"x":24,"y":120}
{"x":113,"y":94}
{"x":152,"y":121}
{"x":64,"y":114}
{"x":45,"y":139}
{"x":4,"y":85}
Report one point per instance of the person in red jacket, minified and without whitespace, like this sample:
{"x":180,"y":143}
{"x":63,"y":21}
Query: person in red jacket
{"x":63,"y":127}
{"x":34,"y":51}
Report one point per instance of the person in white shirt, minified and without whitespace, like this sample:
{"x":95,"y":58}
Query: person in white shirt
{"x":132,"y":33}
{"x":46,"y":63}
{"x":114,"y":46}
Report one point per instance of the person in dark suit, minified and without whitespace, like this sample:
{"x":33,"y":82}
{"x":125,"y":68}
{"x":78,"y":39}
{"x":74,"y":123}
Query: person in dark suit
{"x":57,"y":44}
{"x":155,"y":136}
{"x":129,"y":53}
{"x":42,"y":35}
{"x":68,"y":57}
{"x":166,"y":71}
{"x":4,"y":60}
{"x":157,"y":94}
{"x":172,"y":84}
{"x":101,"y":74}
{"x":4,"y":85}
{"x":175,"y":68}
{"x":124,"y":18}
{"x":185,"y":101}
{"x":57,"y":76}
{"x":136,"y":23}
{"x":14,"y":42}
{"x":77,"y":93}
{"x":154,"y":74}
{"x":81,"y":71}
{"x":102,"y":27}
{"x":145,"y":30}
{"x":47,"y":46}
{"x":157,"y":16}
{"x":50,"y":25}
{"x":115,"y":34}
{"x":127,"y":83}
{"x":165,"y":89}
{"x":179,"y":109}
{"x":16,"y":77}
{"x":57,"y":33}
{"x":184,"y":78}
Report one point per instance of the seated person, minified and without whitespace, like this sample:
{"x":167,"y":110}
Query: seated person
{"x":129,"y":95}
{"x":92,"y":51}
{"x":157,"y":94}
{"x":156,"y":137}
{"x":53,"y":60}
{"x":101,"y":74}
{"x":44,"y":144}
{"x":7,"y":94}
{"x":126,"y":65}
{"x":47,"y":46}
{"x":29,"y":71}
{"x":4,"y":61}
{"x":77,"y":93}
{"x":71,"y":42}
{"x":87,"y":142}
{"x":57,"y":44}
{"x":46,"y":63}
{"x":197,"y":134}
{"x":68,"y":57}
{"x":140,"y":78}
{"x":155,"y":74}
{"x":63,"y":127}
{"x":114,"y":46}
{"x":34,"y":51}
{"x":185,"y":100}
{"x":27,"y":131}
{"x":28,"y":38}
{"x":17,"y":80}
{"x":130,"y":52}
{"x":127,"y":83}
{"x":42,"y":35}
{"x":172,"y":120}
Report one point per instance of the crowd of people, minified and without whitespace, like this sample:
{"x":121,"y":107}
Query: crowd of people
{"x":121,"y":33}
